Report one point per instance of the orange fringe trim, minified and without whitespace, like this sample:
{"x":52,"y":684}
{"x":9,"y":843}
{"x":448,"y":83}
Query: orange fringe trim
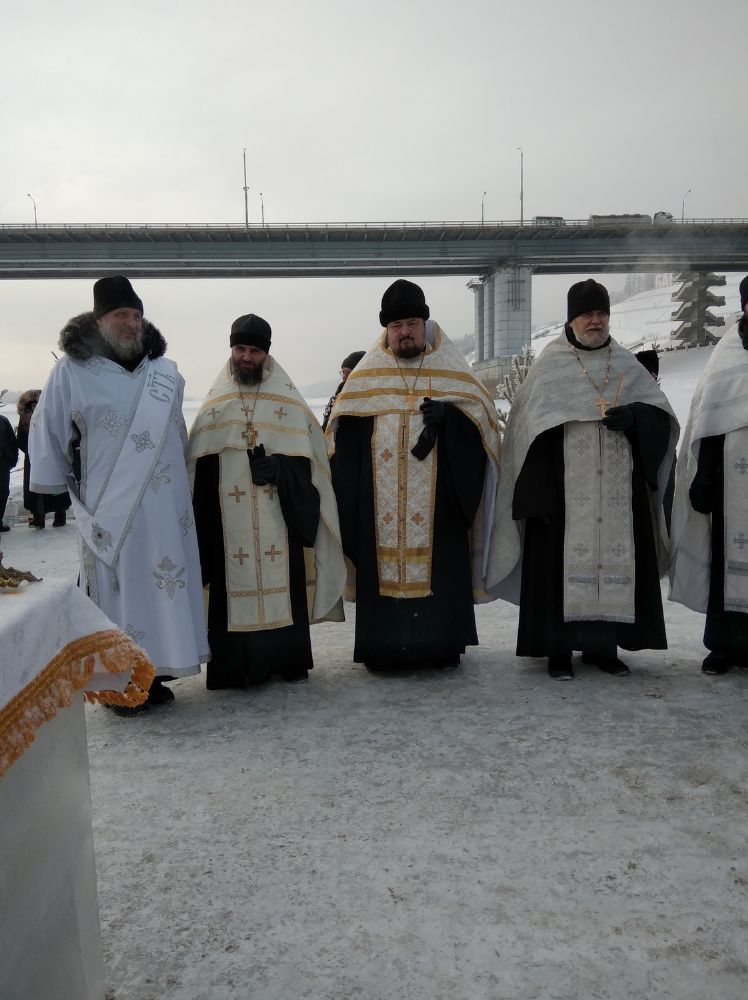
{"x":68,"y":672}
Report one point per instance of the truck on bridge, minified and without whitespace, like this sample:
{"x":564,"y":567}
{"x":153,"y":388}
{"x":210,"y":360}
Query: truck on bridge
{"x":660,"y":218}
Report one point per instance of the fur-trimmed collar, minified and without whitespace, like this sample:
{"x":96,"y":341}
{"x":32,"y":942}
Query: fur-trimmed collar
{"x":80,"y":338}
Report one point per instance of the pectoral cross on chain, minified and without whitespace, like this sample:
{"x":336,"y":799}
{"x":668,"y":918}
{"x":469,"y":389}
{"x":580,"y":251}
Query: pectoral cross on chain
{"x":250,"y":435}
{"x":603,"y":406}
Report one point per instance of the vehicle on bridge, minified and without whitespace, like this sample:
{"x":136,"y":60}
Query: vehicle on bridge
{"x":661,"y":218}
{"x":548,"y":220}
{"x":618,"y":220}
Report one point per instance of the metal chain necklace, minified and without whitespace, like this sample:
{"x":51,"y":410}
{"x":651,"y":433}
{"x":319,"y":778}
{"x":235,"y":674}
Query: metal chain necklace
{"x":600,"y":401}
{"x":411,"y":389}
{"x":250,"y":434}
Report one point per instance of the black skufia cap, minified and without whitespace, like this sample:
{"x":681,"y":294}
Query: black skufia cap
{"x":586,"y":296}
{"x":251,"y":331}
{"x":115,"y":292}
{"x":743,"y":293}
{"x":651,"y":361}
{"x":352,"y":360}
{"x":403,"y":300}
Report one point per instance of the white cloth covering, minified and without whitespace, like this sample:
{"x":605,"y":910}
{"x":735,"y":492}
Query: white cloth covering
{"x":719,"y":406}
{"x":154,"y":592}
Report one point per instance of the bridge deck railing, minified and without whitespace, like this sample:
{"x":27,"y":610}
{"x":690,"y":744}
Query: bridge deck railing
{"x":354,"y":226}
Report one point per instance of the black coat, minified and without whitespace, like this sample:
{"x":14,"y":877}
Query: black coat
{"x":393,"y":632}
{"x":8,"y":445}
{"x":238,"y":658}
{"x":539,"y":499}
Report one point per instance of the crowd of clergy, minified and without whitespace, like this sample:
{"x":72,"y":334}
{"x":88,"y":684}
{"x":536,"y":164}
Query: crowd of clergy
{"x":408,"y":503}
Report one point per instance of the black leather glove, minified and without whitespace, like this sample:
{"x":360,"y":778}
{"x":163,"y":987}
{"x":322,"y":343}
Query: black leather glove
{"x":619,"y":418}
{"x":433,"y":412}
{"x":264,"y":468}
{"x":702,"y":497}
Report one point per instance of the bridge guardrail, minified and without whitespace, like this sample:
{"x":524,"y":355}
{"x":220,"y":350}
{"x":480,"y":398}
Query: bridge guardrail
{"x":346,"y":226}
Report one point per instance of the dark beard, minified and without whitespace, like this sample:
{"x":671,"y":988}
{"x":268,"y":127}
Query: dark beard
{"x":409,"y":352}
{"x":251,"y":377}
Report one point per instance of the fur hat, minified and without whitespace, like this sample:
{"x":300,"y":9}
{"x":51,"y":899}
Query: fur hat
{"x":114,"y":293}
{"x":352,"y":360}
{"x":28,"y":400}
{"x":586,"y":296}
{"x":250,"y":331}
{"x":403,"y":300}
{"x":743,"y":293}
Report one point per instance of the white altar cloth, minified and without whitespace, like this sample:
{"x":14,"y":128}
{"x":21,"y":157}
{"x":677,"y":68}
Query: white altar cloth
{"x":56,"y":647}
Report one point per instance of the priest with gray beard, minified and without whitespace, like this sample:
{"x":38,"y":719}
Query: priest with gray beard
{"x":580,"y":535}
{"x":109,"y":428}
{"x":266,"y":517}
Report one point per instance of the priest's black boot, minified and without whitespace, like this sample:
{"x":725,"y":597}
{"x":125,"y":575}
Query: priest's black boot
{"x":158,"y":694}
{"x":608,"y":664}
{"x":560,"y":669}
{"x":715,"y":663}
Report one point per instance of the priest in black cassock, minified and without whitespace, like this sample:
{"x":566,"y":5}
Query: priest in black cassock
{"x":266,"y":518}
{"x":709,"y":570}
{"x":415,"y":446}
{"x":580,"y":536}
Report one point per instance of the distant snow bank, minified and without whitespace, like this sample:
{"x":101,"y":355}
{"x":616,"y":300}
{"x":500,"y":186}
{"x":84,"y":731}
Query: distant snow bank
{"x":644,"y":321}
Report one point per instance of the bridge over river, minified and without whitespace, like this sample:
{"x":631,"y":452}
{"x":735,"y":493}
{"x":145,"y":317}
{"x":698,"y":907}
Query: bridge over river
{"x":500,"y":257}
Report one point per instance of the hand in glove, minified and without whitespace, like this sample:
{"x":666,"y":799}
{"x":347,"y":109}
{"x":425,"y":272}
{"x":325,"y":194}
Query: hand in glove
{"x":619,"y":418}
{"x":702,"y":497}
{"x":264,"y":468}
{"x":433,"y":412}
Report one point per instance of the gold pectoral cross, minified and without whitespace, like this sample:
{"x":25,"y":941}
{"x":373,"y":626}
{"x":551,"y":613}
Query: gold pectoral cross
{"x":250,"y":435}
{"x":603,"y":406}
{"x":411,"y":401}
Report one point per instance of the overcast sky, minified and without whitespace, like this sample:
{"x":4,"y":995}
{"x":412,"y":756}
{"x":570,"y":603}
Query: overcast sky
{"x":351,"y":110}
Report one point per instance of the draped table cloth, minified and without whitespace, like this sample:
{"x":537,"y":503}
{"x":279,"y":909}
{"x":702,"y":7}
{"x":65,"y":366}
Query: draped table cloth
{"x":56,"y":648}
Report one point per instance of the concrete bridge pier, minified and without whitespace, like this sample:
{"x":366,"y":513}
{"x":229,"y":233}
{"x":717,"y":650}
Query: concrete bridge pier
{"x":503,"y":318}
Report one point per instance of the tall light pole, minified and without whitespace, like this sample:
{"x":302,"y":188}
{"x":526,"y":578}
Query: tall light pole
{"x":246,"y":189}
{"x":521,"y":185}
{"x":683,"y":206}
{"x":262,"y":209}
{"x":34,"y":204}
{"x":482,"y":202}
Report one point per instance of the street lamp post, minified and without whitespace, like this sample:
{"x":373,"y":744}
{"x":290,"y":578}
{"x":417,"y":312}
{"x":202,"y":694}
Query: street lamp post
{"x":521,"y":185}
{"x":482,"y":202}
{"x":683,"y":206}
{"x":246,"y":189}
{"x":262,"y":209}
{"x":34,"y":204}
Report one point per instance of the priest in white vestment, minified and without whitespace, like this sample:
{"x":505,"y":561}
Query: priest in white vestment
{"x":415,"y":450}
{"x":109,"y":428}
{"x":267,"y":522}
{"x":580,"y":541}
{"x":709,"y":566}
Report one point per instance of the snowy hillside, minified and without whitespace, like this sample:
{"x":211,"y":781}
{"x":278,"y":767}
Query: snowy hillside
{"x":644,"y":320}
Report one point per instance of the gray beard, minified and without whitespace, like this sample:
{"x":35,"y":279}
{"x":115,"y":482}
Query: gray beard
{"x":409,"y":352}
{"x":247,"y":378}
{"x":125,"y":352}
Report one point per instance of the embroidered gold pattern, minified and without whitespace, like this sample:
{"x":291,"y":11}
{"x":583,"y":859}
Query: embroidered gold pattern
{"x":69,"y":671}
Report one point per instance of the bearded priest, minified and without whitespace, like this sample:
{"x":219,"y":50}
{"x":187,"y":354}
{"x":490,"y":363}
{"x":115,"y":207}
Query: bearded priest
{"x":416,"y":445}
{"x":109,"y":428}
{"x":267,"y":523}
{"x":580,"y":533}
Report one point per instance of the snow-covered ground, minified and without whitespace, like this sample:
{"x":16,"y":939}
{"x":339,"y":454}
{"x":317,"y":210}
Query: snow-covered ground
{"x":479,"y":834}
